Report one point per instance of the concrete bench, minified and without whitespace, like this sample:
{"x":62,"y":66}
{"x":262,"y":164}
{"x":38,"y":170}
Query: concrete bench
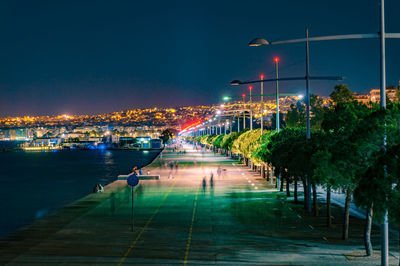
{"x":141,"y":177}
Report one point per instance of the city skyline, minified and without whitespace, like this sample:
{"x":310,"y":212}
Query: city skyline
{"x":77,"y":57}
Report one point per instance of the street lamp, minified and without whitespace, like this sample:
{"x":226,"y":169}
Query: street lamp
{"x":276,"y":79}
{"x":276,"y":60}
{"x":251,"y":109}
{"x":262,"y":104}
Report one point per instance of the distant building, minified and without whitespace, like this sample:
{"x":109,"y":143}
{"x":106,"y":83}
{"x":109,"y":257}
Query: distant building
{"x":156,"y":144}
{"x":45,"y":142}
{"x":375,"y":96}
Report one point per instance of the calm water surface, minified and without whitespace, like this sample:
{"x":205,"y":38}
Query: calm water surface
{"x":36,"y":183}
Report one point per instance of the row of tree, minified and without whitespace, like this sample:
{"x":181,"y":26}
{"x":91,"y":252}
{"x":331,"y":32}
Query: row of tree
{"x":353,"y":147}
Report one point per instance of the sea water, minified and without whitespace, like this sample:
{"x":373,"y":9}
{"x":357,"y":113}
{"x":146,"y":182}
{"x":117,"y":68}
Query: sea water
{"x":34,"y":184}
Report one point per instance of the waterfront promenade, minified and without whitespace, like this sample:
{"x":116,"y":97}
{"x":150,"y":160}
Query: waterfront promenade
{"x":240,"y":220}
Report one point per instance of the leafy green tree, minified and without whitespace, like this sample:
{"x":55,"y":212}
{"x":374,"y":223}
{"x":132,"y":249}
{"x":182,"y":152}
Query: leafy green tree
{"x":217,"y":141}
{"x":228,"y":140}
{"x":317,"y":111}
{"x":342,"y":167}
{"x":379,"y":125}
{"x":341,"y":93}
{"x":296,"y":115}
{"x":166,"y":135}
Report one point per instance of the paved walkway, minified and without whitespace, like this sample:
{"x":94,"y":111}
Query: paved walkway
{"x":240,"y":220}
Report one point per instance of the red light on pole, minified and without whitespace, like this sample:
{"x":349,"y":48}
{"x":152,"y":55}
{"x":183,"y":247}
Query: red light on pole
{"x":250,"y":87}
{"x":276,"y":59}
{"x":262,"y":76}
{"x":243,"y":95}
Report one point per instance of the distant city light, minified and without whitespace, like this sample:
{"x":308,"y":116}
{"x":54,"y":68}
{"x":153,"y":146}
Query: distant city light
{"x":218,"y":112}
{"x":300,"y":96}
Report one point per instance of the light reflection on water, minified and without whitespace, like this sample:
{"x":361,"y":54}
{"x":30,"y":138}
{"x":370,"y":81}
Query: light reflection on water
{"x":36,"y":183}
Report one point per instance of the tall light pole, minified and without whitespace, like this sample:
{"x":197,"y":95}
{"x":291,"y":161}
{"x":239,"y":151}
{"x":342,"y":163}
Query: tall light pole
{"x":244,"y":116}
{"x":308,"y":85}
{"x":262,"y":104}
{"x":251,"y":109}
{"x":385,"y":220}
{"x":276,"y":60}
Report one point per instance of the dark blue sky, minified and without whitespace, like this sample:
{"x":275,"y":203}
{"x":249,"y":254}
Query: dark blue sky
{"x":101,"y":56}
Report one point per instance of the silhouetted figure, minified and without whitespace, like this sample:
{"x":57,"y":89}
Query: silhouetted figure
{"x":134,"y":169}
{"x":98,"y":188}
{"x":212,"y":180}
{"x":219,"y":171}
{"x":204,"y":184}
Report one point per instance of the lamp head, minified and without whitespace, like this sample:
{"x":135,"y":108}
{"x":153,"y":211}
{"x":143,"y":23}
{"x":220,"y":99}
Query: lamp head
{"x":235,"y":82}
{"x":258,"y":42}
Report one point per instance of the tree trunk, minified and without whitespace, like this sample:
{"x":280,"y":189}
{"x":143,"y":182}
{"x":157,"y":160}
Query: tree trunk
{"x":295,"y":191}
{"x":305,"y":191}
{"x":272,"y":176}
{"x":315,"y":199}
{"x":309,"y":209}
{"x":346,"y":215}
{"x":328,"y":207}
{"x":367,"y":233}
{"x":282,"y":180}
{"x":263,"y":171}
{"x":287,"y":187}
{"x":268,"y":172}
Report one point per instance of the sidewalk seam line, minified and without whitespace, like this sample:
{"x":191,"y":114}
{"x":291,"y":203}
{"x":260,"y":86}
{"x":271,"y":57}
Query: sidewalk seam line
{"x":191,"y":229}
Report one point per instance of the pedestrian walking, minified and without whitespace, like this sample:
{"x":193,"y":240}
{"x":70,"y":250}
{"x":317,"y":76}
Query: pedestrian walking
{"x":204,"y":184}
{"x":219,"y":171}
{"x":212,"y":180}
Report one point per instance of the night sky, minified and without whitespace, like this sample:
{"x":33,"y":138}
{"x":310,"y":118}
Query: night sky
{"x":87,"y":57}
